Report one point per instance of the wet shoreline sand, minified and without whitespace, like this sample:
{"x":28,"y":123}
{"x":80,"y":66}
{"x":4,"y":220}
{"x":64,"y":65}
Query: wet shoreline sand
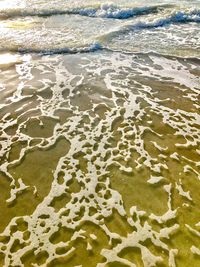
{"x":100,"y":158}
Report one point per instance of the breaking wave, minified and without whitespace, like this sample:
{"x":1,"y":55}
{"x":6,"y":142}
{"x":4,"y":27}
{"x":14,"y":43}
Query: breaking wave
{"x":106,"y":10}
{"x":178,"y":17}
{"x":114,"y":12}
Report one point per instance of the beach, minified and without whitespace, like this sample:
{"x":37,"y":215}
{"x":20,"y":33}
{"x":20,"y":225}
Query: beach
{"x":100,"y":133}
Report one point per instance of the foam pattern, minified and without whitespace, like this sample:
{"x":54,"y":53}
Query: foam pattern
{"x":124,"y":117}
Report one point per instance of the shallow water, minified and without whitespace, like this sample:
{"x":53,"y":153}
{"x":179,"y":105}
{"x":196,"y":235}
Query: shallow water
{"x":100,"y":150}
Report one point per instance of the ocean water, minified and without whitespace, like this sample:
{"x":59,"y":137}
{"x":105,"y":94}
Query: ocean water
{"x":99,"y":133}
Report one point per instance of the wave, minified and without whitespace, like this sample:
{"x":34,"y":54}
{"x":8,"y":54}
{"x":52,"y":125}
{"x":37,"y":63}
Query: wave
{"x":109,"y":10}
{"x":49,"y":41}
{"x":115,"y":12}
{"x":64,"y":50}
{"x":175,"y":18}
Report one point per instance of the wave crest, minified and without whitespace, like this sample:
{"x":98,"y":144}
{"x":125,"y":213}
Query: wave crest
{"x":64,"y":50}
{"x":113,"y":11}
{"x":105,"y":10}
{"x":176,"y":17}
